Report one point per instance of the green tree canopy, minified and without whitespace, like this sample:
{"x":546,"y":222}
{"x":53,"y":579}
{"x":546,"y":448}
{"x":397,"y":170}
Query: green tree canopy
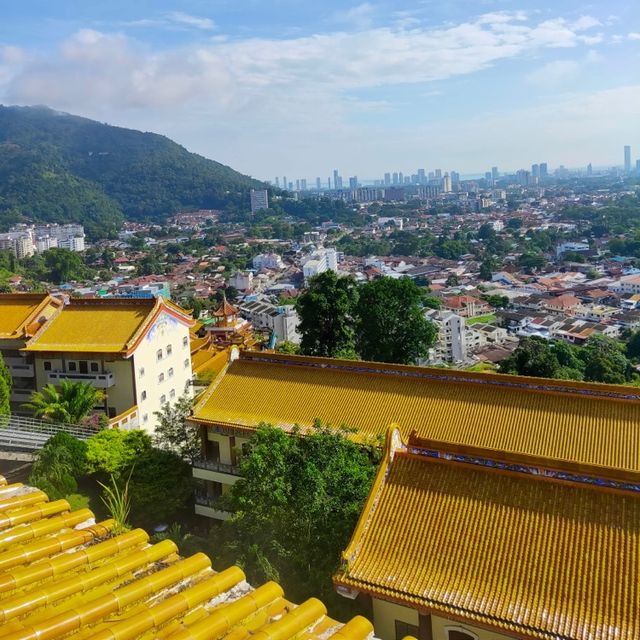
{"x":70,"y":402}
{"x":112,"y":451}
{"x":58,"y":465}
{"x":605,"y":361}
{"x":533,"y":357}
{"x":391,"y":326}
{"x":160,"y":484}
{"x":326,"y":315}
{"x":173,"y":432}
{"x":6,"y":384}
{"x":296,"y":506}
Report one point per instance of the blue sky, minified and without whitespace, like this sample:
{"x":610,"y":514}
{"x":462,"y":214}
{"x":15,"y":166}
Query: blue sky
{"x":300,"y":88}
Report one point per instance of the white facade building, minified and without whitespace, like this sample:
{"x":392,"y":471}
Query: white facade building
{"x":320,"y":261}
{"x":268,"y":261}
{"x":282,"y":320}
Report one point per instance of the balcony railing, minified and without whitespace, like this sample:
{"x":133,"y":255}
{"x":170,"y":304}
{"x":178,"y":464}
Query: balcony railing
{"x":220,"y":467}
{"x":98,"y":380}
{"x":21,"y":370}
{"x":20,"y":395}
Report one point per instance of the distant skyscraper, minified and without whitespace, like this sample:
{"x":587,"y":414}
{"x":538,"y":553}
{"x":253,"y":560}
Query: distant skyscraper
{"x":438,"y":173}
{"x":421,"y":176}
{"x":290,"y":186}
{"x":627,"y":159}
{"x":494,"y":173}
{"x":337,"y":180}
{"x":523,"y":177}
{"x":353,"y":182}
{"x":446,"y":183}
{"x":544,"y":170}
{"x":488,"y":177}
{"x":284,"y":182}
{"x":318,"y":184}
{"x":589,"y":170}
{"x":303,"y":184}
{"x":535,"y":171}
{"x":395,"y":177}
{"x":259,"y":200}
{"x":638,"y":166}
{"x":297,"y":185}
{"x":400,"y":177}
{"x":277,"y":182}
{"x":387,"y":179}
{"x":455,"y":177}
{"x":328,"y":183}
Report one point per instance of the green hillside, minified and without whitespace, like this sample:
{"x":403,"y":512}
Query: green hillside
{"x":58,"y":167}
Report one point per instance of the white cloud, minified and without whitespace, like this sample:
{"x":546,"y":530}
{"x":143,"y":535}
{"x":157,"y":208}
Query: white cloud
{"x":359,"y":16}
{"x":174,"y":19}
{"x":553,"y":74}
{"x":178,"y":17}
{"x":633,"y":36}
{"x":223,"y":95}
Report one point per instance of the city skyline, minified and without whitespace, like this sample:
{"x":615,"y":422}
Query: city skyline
{"x":284,"y":88}
{"x":424,"y":176}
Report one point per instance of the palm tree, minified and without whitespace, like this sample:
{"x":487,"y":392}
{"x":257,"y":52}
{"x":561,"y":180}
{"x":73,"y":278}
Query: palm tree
{"x":70,"y":403}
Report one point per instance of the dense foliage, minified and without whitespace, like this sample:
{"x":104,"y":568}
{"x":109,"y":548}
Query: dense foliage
{"x":382,"y":320}
{"x":326,"y":316}
{"x":69,"y":402}
{"x":174,"y":433}
{"x":296,"y":506}
{"x":391,"y":326}
{"x":158,"y":482}
{"x":601,"y":359}
{"x":6,"y":384}
{"x":61,"y":168}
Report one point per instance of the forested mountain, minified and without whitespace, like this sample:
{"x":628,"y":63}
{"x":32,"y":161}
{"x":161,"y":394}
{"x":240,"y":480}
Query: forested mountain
{"x":57,"y":168}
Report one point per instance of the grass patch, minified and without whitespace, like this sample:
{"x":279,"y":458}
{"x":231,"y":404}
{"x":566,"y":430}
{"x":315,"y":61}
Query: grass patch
{"x":486,"y":318}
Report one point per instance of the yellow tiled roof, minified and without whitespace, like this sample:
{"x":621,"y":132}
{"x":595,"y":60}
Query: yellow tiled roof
{"x":524,"y":555}
{"x":62,"y":575}
{"x":579,"y":423}
{"x":18,"y":310}
{"x":100,"y":325}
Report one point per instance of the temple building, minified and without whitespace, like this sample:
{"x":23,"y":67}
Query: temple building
{"x":64,"y":575}
{"x":506,"y":506}
{"x":227,"y":328}
{"x":136,"y":350}
{"x":22,"y":315}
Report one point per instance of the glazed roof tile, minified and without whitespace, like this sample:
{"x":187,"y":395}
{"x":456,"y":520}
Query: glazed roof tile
{"x":101,"y":325}
{"x":523,"y":555}
{"x":19,"y":310}
{"x":62,"y":575}
{"x":579,"y":423}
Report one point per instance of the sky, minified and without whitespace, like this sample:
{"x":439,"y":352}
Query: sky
{"x":299,"y":88}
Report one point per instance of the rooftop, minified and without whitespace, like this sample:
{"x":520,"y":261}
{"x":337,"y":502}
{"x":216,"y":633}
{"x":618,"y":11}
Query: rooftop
{"x":528,"y":555}
{"x":578,"y":423}
{"x":19,"y":310}
{"x":102,"y":325}
{"x":64,"y":575}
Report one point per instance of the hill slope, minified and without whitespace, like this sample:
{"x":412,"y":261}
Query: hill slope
{"x":58,"y":167}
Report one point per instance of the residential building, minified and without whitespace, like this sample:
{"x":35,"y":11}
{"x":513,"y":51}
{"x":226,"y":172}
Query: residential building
{"x":281,"y":321}
{"x":465,"y":306}
{"x":455,"y":341}
{"x":320,"y":261}
{"x":136,"y":350}
{"x":259,"y":199}
{"x":268,"y":261}
{"x":627,"y":159}
{"x":566,"y":304}
{"x":242,"y":280}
